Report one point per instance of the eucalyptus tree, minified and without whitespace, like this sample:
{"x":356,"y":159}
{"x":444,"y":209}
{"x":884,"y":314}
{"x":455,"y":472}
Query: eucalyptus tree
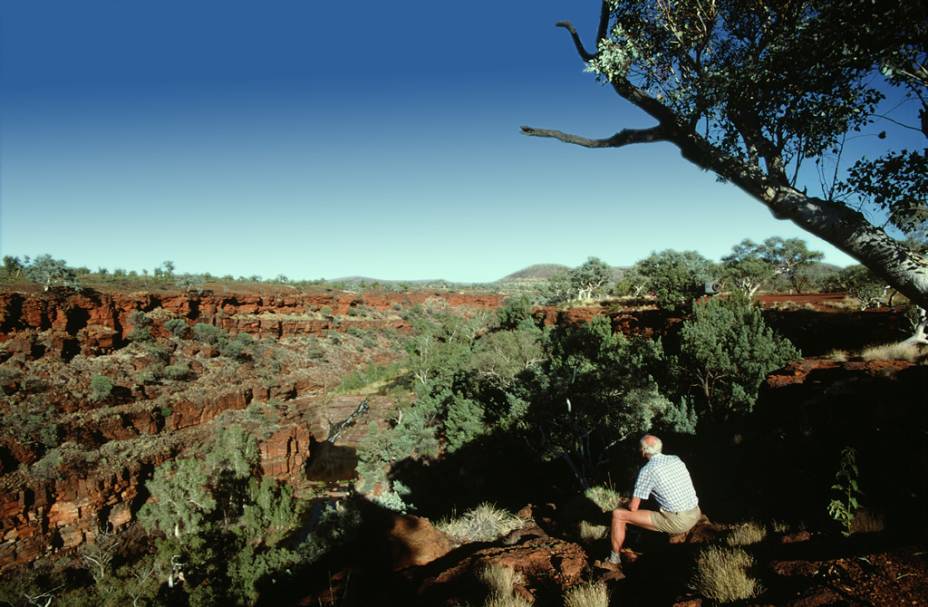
{"x":750,"y":264}
{"x":676,"y":278}
{"x":589,"y":278}
{"x":755,"y":92}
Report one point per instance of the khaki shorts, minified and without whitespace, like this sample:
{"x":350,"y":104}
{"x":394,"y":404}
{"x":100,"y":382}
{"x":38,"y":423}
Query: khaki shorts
{"x":675,"y":522}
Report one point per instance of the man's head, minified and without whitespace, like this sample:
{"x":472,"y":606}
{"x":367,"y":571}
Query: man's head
{"x":650,"y":446}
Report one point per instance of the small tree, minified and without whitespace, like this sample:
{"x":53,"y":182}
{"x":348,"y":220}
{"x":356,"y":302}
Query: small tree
{"x":676,"y":278}
{"x":746,"y":268}
{"x":863,"y":285}
{"x":789,"y":258}
{"x":12,"y":266}
{"x":632,"y":283}
{"x":728,"y":350}
{"x":588,"y":279}
{"x":594,"y":389}
{"x":50,"y":272}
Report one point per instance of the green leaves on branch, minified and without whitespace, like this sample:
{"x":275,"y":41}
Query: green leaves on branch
{"x":846,"y":490}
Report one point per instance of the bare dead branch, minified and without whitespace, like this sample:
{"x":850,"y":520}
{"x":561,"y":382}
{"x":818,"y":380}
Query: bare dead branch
{"x":584,"y":54}
{"x":622,"y":138}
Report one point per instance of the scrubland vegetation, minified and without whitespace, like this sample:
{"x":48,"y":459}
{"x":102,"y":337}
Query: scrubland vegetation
{"x":568,"y":396}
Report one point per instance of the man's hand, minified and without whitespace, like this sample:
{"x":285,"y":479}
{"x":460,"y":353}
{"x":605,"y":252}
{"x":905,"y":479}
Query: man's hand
{"x":634,"y":504}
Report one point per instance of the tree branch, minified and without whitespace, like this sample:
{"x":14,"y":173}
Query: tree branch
{"x":622,"y":138}
{"x":603,"y":31}
{"x":584,"y":54}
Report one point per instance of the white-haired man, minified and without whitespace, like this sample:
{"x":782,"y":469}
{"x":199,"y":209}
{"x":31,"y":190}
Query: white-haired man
{"x":667,"y":479}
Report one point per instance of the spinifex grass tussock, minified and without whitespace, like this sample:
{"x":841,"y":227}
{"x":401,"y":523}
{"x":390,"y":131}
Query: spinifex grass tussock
{"x":587,"y":595}
{"x":590,"y":533}
{"x":899,"y":351}
{"x":722,"y":574}
{"x":499,"y":600}
{"x":500,"y":582}
{"x":606,"y":498}
{"x":484,"y":523}
{"x":498,"y":578}
{"x":745,"y":534}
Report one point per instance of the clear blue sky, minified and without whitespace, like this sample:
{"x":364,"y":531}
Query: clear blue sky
{"x":332,"y":139}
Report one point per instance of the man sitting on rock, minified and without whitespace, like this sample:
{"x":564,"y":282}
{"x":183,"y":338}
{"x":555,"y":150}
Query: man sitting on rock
{"x":667,"y":479}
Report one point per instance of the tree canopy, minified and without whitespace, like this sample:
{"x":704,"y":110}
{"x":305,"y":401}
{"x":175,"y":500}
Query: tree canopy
{"x":756,"y":92}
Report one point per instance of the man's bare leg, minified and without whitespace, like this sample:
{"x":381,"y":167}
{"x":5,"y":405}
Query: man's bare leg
{"x":621,"y":517}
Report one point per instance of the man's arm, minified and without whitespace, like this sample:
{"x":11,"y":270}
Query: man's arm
{"x":634,"y":504}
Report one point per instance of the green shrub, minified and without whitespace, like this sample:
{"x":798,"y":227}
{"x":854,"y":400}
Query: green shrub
{"x":100,"y":388}
{"x":722,"y":575}
{"x":178,"y":371}
{"x":148,"y":376}
{"x":514,"y":312}
{"x":177,"y":327}
{"x":240,"y":347}
{"x":140,"y":322}
{"x":208,"y":334}
{"x":728,"y":350}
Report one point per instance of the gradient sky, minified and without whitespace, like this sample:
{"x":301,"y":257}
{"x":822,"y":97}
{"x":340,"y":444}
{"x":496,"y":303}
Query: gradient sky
{"x":320,"y":140}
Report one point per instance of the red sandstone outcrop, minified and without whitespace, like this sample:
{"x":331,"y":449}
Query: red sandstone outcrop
{"x":101,"y":321}
{"x":541,"y":561}
{"x":39,"y":517}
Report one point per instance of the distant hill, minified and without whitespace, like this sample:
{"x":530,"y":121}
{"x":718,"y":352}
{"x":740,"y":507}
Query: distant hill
{"x":539,"y":271}
{"x":544,"y":271}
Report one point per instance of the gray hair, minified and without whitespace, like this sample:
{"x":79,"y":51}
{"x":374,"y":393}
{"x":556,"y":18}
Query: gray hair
{"x":651,"y":445}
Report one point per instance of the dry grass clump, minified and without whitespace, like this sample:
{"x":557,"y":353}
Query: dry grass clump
{"x":899,"y":351}
{"x":484,"y":523}
{"x":839,"y":356}
{"x":500,"y":582}
{"x":587,"y":595}
{"x":746,"y":534}
{"x":498,"y":600}
{"x":606,"y":498}
{"x":867,"y":522}
{"x":590,"y":533}
{"x":779,"y":526}
{"x":722,"y":575}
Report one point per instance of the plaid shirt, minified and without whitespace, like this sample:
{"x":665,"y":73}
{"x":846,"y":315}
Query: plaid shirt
{"x":668,"y":479}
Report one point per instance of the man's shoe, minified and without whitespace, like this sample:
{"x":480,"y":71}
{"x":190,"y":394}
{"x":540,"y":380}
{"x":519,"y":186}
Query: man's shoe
{"x":608,"y":565}
{"x":629,"y":555}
